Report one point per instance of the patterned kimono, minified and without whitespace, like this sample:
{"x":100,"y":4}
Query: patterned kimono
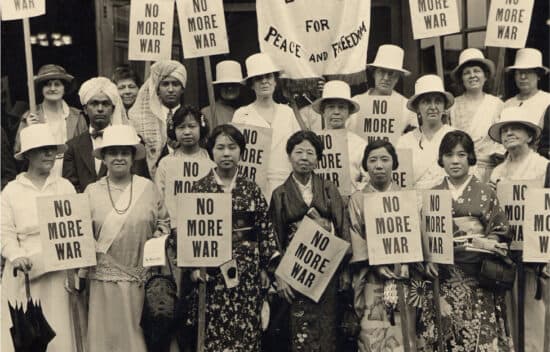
{"x":473,"y":318}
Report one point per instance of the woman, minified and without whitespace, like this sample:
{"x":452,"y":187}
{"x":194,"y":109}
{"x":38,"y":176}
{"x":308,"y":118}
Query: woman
{"x":265,"y":112}
{"x":311,"y":326}
{"x":233,"y":314}
{"x":65,"y":122}
{"x":430,"y":100}
{"x":127,"y":210}
{"x":128,"y":83}
{"x":20,"y":240}
{"x":475,"y":111}
{"x":473,"y":317}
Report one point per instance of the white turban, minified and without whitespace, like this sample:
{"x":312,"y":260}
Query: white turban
{"x":99,"y":85}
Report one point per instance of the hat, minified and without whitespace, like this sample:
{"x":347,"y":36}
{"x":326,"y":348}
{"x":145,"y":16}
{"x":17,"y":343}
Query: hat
{"x":259,"y":64}
{"x":389,"y":57}
{"x":228,"y":71}
{"x":120,"y":135}
{"x":512,"y":115}
{"x":472,"y":55}
{"x":528,"y":58}
{"x":50,"y":71}
{"x":335,"y":90}
{"x":429,"y":84}
{"x":37,"y":136}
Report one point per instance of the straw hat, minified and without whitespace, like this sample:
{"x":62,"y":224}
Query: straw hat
{"x":48,"y":72}
{"x":429,"y":84}
{"x":389,"y":57}
{"x":528,"y":58}
{"x":228,"y":71}
{"x":472,"y":55}
{"x":37,"y":136}
{"x":509,"y":115}
{"x":260,"y":64}
{"x":120,"y":136}
{"x":336,"y":90}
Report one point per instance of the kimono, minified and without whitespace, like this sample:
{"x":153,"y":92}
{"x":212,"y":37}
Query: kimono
{"x":233,"y":314}
{"x":473,"y":318}
{"x":306,"y":325}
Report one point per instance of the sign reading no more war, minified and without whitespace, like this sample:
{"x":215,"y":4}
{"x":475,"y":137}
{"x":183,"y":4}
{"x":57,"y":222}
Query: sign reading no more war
{"x":255,"y":159}
{"x":18,"y":9}
{"x":536,"y":243}
{"x":433,"y":18}
{"x":334,"y":164}
{"x":393,"y":227}
{"x":379,"y":119}
{"x":311,"y":259}
{"x":204,"y":229}
{"x":437,"y":227}
{"x":508,"y":23}
{"x":66,"y":232}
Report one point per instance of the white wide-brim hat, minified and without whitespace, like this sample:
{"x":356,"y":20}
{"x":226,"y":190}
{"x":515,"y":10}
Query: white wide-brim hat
{"x":260,"y":64}
{"x":227,"y":72}
{"x":472,"y":55}
{"x":120,"y":136}
{"x":336,"y":90}
{"x":38,"y":136}
{"x":512,"y":115}
{"x":429,"y":84}
{"x":390,"y":57}
{"x":527,"y":58}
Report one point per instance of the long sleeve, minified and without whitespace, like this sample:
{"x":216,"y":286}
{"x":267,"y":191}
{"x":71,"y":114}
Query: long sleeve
{"x":160,"y":177}
{"x":11,"y":249}
{"x":267,"y":243}
{"x":163,"y":218}
{"x":496,"y":221}
{"x":357,"y":228}
{"x":69,"y":168}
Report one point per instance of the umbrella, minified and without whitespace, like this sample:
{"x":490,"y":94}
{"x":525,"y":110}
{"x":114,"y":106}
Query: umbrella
{"x":30,"y":330}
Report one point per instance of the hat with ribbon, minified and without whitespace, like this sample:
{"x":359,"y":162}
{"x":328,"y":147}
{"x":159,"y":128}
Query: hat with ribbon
{"x":37,"y":136}
{"x":120,"y":136}
{"x":338,"y":90}
{"x":429,"y":84}
{"x":513,"y":115}
{"x":390,"y":57}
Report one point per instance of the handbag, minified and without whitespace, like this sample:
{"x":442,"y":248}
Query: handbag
{"x":350,"y":325}
{"x":497,"y":274}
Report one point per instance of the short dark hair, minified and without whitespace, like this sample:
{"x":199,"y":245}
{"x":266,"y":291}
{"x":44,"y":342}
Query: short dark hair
{"x":301,"y":136}
{"x":451,"y":140}
{"x":326,"y":101}
{"x":251,"y":79}
{"x":179,"y":116}
{"x":377,"y":144}
{"x":104,"y":150}
{"x":230,"y":131}
{"x":67,"y":85}
{"x":125,"y":72}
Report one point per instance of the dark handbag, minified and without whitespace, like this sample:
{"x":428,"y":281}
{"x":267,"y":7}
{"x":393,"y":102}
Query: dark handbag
{"x":497,"y":274}
{"x":350,"y":325}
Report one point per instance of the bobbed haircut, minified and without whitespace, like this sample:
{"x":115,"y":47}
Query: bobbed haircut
{"x":229,"y":131}
{"x":451,"y":140}
{"x":181,"y":114}
{"x":126,"y":72}
{"x":377,"y":144}
{"x":300,"y":136}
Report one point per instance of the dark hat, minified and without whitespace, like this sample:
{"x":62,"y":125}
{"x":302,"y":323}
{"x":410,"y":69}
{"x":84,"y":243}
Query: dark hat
{"x":50,"y":71}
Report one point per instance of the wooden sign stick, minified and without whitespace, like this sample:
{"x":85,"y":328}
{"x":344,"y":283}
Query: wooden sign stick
{"x":202,"y":311}
{"x":75,"y":315}
{"x":28,"y":62}
{"x":402,"y":305}
{"x":211,"y":98}
{"x":437,"y":295}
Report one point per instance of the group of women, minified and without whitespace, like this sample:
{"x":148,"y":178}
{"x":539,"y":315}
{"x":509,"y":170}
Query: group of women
{"x":127,"y":210}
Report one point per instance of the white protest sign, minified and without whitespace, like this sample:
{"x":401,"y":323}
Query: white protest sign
{"x":508,"y":23}
{"x":334,"y":164}
{"x":66,"y":232}
{"x":433,"y":18}
{"x":18,"y":9}
{"x":311,"y":259}
{"x":380,"y":117}
{"x":307,"y":39}
{"x":536,"y":243}
{"x":154,"y":251}
{"x":204,"y":229}
{"x":202,"y":28}
{"x":255,"y":159}
{"x":393,"y":227}
{"x":404,"y":174}
{"x":437,"y":226}
{"x":511,"y":195}
{"x":150,"y":32}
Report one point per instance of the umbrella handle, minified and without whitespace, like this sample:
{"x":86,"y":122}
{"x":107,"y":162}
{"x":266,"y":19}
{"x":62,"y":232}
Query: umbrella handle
{"x":27,"y":282}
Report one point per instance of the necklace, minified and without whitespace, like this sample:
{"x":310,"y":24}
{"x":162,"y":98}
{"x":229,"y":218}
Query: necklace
{"x":120,"y":212}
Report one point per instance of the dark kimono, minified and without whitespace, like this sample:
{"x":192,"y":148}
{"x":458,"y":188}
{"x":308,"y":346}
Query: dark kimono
{"x":305,"y":325}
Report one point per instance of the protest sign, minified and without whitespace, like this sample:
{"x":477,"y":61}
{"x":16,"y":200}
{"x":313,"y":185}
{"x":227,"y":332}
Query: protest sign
{"x":202,"y":28}
{"x":308,"y":40}
{"x":255,"y":159}
{"x":66,"y":232}
{"x":393,"y":227}
{"x":511,"y":195}
{"x":154,"y":251}
{"x":437,"y":227}
{"x":380,"y":117}
{"x":536,"y":246}
{"x":334,"y":163}
{"x":433,"y":18}
{"x":508,"y":23}
{"x":18,"y":9}
{"x":311,"y":259}
{"x":404,"y":175}
{"x":204,"y":229}
{"x":150,"y":32}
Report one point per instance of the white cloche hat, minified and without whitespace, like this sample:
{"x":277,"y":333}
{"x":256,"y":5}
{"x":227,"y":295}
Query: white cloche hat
{"x":528,"y":58}
{"x":429,"y":84}
{"x":120,"y":136}
{"x":228,"y":71}
{"x":37,"y":136}
{"x":260,"y":64}
{"x":336,"y":90}
{"x":389,"y":57}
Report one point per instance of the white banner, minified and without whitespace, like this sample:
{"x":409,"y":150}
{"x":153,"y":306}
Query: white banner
{"x":433,"y":18}
{"x":18,"y":9}
{"x":508,"y":23}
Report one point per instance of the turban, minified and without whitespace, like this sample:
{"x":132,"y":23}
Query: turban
{"x":98,"y":85}
{"x":168,"y":68}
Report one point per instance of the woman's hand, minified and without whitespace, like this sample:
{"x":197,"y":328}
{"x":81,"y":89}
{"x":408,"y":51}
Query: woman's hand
{"x":546,"y":271}
{"x":32,"y":119}
{"x":23,"y":264}
{"x":284,"y":290}
{"x":493,"y":185}
{"x":321,"y":221}
{"x":386,"y":272}
{"x":264,"y":280}
{"x":158,"y":233}
{"x":432,"y":270}
{"x":196,"y":276}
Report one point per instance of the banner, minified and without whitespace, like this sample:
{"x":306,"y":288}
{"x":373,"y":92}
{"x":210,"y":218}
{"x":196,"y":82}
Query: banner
{"x":150,"y":32}
{"x":536,"y":244}
{"x":404,"y":174}
{"x":508,"y":23}
{"x":311,"y":259}
{"x":66,"y":232}
{"x":334,"y":163}
{"x":202,"y":28}
{"x":380,"y":118}
{"x":433,"y":18}
{"x":18,"y":9}
{"x":393,"y":227}
{"x":255,"y":159}
{"x":437,"y":227}
{"x":307,"y":39}
{"x":204,"y":229}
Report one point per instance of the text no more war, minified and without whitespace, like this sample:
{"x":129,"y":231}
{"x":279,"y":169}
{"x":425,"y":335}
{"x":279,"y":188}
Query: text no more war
{"x":310,"y":261}
{"x":382,"y":125}
{"x":208,"y":230}
{"x":251,"y":155}
{"x":329,"y":160}
{"x":191,"y":170}
{"x":393,"y":223}
{"x":201,"y":23}
{"x":516,"y":212}
{"x":433,"y":20}
{"x":151,"y":27}
{"x":508,"y":18}
{"x":542,"y":224}
{"x":65,"y":231}
{"x":435,"y":224}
